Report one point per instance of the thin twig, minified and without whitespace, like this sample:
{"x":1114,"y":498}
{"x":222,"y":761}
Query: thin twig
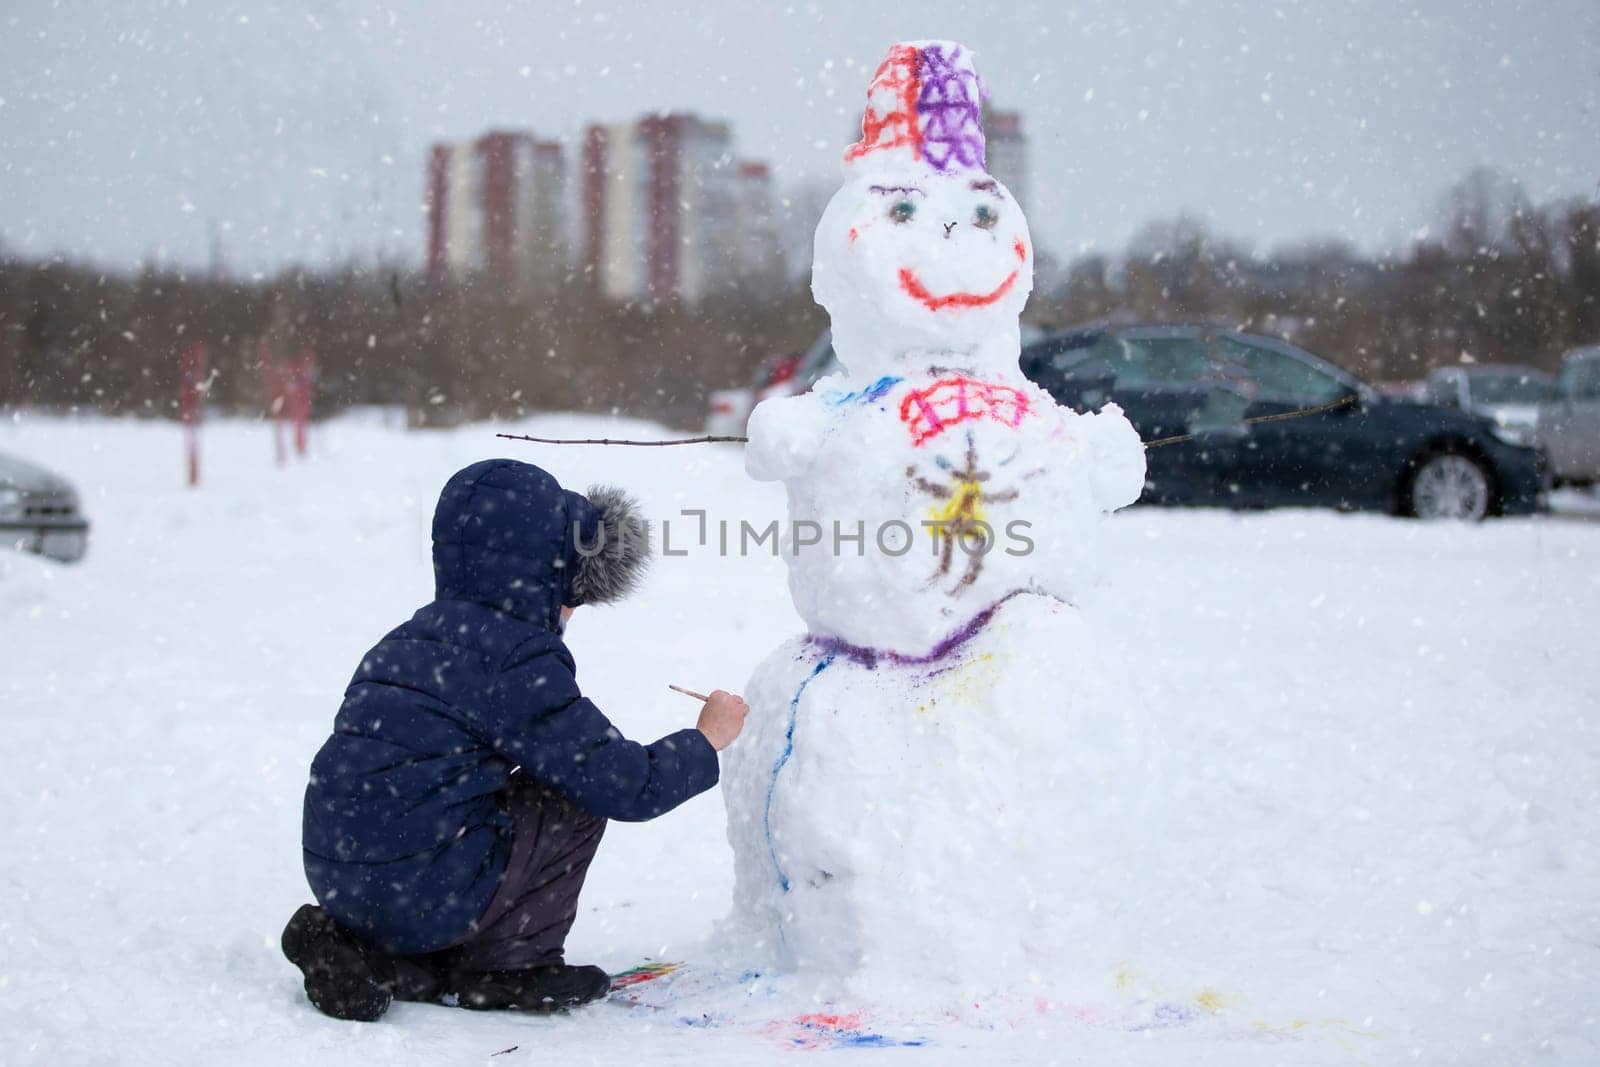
{"x":1280,"y":417}
{"x":734,"y":440}
{"x":712,"y":440}
{"x":687,"y":692}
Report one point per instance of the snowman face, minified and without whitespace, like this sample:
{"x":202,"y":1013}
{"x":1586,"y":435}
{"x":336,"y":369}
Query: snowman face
{"x":940,"y":261}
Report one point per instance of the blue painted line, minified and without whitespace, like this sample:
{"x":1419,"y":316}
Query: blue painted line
{"x":783,"y":758}
{"x":875,"y":391}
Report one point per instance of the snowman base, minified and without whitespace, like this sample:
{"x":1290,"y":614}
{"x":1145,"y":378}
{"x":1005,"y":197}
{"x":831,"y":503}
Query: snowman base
{"x":912,"y":827}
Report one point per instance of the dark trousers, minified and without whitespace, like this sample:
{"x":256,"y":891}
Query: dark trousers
{"x":526,"y":924}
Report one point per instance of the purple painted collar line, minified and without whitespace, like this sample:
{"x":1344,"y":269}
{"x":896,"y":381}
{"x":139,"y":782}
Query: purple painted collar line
{"x":871,"y":657}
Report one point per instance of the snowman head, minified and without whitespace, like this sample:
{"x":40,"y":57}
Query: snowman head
{"x":922,"y":252}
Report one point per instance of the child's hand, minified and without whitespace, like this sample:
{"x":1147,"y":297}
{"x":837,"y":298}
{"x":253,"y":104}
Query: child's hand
{"x":722,"y":718}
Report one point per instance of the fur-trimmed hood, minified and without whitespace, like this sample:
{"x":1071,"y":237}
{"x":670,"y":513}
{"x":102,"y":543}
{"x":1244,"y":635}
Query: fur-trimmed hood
{"x":507,"y":535}
{"x":611,"y":566}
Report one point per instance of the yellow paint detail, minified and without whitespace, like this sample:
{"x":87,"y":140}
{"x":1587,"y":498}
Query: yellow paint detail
{"x":963,"y":686}
{"x":964,"y":505}
{"x":1340,"y":1026}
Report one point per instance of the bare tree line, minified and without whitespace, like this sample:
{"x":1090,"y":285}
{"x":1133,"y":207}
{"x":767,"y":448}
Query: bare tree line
{"x":1502,"y":280}
{"x":77,"y":339}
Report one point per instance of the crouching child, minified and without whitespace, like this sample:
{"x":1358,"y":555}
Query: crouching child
{"x":452,"y":815}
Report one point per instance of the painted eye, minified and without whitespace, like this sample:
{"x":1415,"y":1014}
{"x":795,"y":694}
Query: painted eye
{"x":985,"y":217}
{"x":902,"y":211}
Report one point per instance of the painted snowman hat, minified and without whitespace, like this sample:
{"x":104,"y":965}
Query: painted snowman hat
{"x":924,"y":111}
{"x":922,"y":252}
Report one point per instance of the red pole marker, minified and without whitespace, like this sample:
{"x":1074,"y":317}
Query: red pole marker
{"x":272,"y":386}
{"x":191,"y":395}
{"x":303,"y":372}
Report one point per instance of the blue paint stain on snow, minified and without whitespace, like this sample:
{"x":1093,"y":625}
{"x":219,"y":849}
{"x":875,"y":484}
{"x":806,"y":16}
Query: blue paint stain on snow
{"x":862,"y":1039}
{"x":1164,"y":1015}
{"x":875,"y":391}
{"x":783,"y":758}
{"x":822,"y":1035}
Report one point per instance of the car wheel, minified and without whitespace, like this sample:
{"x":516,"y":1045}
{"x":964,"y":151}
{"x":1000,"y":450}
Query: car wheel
{"x":1449,"y":485}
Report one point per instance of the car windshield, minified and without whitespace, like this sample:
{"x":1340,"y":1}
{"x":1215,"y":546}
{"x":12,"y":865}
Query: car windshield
{"x":1132,"y":362}
{"x":1509,"y":388}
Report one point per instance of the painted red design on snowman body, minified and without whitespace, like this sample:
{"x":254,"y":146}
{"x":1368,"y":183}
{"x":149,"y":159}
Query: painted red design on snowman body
{"x":951,"y":401}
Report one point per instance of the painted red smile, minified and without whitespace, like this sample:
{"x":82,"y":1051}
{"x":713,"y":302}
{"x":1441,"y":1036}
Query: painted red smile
{"x":917,"y":291}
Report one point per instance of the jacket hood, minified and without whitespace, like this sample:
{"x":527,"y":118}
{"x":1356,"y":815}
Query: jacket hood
{"x":506,"y":535}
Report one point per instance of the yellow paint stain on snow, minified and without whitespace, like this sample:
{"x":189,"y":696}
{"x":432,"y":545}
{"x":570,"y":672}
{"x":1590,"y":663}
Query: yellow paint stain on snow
{"x":962,"y":686}
{"x":970,"y":684}
{"x":1343,"y":1026}
{"x":1214,"y":1001}
{"x":967,"y":683}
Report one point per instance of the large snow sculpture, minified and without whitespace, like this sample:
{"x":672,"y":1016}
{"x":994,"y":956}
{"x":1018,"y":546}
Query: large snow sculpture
{"x":912,"y":766}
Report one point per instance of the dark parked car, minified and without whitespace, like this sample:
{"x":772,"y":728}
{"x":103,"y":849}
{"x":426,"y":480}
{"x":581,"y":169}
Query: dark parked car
{"x":1369,"y":453}
{"x":39,"y":512}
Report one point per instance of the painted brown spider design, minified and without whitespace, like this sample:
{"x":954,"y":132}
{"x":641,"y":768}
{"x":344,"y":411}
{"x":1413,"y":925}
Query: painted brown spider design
{"x":960,"y":518}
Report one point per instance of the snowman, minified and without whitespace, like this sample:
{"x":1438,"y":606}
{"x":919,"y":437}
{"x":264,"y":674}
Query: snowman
{"x":916,"y":766}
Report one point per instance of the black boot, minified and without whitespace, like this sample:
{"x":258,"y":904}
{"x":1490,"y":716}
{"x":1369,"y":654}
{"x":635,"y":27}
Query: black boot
{"x":552,"y":987}
{"x":346,"y":977}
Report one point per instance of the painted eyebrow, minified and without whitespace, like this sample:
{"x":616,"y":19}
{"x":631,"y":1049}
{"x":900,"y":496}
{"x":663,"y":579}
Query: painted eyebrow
{"x":988,"y":186}
{"x":895,"y":189}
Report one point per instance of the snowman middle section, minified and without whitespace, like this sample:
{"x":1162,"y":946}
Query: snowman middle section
{"x":919,"y":502}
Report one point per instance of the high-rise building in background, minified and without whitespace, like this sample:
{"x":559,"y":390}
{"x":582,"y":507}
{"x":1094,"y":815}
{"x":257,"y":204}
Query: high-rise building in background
{"x":1006,"y":149}
{"x":497,"y":210}
{"x":757,"y":258}
{"x":670,"y":214}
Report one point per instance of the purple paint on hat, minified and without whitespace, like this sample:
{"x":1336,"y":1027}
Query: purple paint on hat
{"x":949,"y":106}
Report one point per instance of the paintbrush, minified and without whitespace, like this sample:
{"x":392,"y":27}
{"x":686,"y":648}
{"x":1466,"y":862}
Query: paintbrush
{"x":687,"y":692}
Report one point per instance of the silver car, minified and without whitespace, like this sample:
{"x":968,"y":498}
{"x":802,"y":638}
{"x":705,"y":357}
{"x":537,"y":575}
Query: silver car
{"x":1506,"y":394}
{"x":1569,"y":420}
{"x":39,"y":512}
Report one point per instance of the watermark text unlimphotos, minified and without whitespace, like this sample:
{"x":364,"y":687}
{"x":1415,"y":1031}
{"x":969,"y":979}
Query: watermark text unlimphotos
{"x":838,"y":537}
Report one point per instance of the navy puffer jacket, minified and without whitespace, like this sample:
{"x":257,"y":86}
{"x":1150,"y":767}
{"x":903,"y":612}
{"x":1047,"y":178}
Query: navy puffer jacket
{"x":405,"y":837}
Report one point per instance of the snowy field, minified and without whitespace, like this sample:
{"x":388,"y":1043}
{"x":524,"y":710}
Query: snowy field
{"x":1373,"y":839}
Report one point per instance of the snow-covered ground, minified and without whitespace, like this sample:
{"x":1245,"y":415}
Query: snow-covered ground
{"x":1373,"y":838}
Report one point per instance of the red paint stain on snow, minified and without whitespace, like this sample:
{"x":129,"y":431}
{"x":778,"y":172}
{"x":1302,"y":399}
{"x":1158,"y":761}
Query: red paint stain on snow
{"x":850,"y":1021}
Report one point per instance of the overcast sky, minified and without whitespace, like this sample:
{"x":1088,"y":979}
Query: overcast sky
{"x":297,"y":130}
